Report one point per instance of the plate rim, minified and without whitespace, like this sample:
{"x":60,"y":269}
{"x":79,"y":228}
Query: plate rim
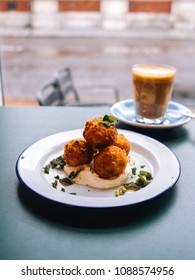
{"x":73,"y":200}
{"x":150,"y":126}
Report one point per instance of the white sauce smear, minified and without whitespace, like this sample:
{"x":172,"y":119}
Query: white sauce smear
{"x":90,"y":178}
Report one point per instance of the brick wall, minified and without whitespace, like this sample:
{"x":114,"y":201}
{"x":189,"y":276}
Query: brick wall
{"x":15,"y":5}
{"x":79,"y":5}
{"x":150,"y":6}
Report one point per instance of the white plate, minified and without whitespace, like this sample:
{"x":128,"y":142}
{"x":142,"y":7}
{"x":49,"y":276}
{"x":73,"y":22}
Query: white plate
{"x":156,"y":157}
{"x":124,"y":111}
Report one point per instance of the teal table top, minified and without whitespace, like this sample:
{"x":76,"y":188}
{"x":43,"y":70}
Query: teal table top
{"x":33,"y":227}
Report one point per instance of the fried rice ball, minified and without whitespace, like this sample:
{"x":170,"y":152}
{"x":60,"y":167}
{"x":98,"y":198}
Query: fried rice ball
{"x":98,"y":134}
{"x":123,"y":143}
{"x":110,"y":162}
{"x":77,"y":152}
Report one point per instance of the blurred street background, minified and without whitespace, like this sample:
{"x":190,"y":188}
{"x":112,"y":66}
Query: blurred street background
{"x":97,"y":54}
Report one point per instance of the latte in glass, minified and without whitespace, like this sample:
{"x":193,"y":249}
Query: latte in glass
{"x":152,"y":90}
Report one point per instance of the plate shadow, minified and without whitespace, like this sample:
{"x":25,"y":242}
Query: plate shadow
{"x":93,"y":218}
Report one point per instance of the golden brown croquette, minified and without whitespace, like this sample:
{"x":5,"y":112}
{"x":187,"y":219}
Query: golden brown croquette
{"x":99,"y":135}
{"x":77,"y":152}
{"x":123,"y":143}
{"x":110,"y":162}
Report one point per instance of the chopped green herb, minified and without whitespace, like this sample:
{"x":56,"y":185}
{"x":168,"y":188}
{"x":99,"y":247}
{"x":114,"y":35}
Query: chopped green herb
{"x":65,"y":181}
{"x":22,"y":157}
{"x":142,"y":166}
{"x":141,"y":182}
{"x":58,"y":162}
{"x":146,"y":174}
{"x":134,"y":169}
{"x":132,"y":186}
{"x":108,"y":120}
{"x":62,"y":190}
{"x":144,"y":178}
{"x":46,"y":168}
{"x":73,"y":193}
{"x":54,"y":184}
{"x":73,"y":174}
{"x":120,"y":191}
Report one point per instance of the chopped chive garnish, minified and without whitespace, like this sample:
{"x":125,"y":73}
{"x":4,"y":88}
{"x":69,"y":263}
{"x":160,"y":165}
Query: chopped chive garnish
{"x":146,"y":174}
{"x":65,"y":181}
{"x":144,"y":178}
{"x":54,"y":184}
{"x":73,"y":174}
{"x":108,"y":120}
{"x":134,"y":169}
{"x":46,"y":168}
{"x":57,"y":163}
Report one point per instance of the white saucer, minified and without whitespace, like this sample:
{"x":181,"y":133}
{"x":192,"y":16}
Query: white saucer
{"x":124,"y":112}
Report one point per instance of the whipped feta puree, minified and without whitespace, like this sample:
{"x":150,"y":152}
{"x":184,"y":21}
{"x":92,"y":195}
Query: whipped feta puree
{"x":88,"y":177}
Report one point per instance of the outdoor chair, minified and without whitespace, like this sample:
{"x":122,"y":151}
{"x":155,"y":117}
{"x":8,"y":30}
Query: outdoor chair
{"x":65,"y":83}
{"x":62,"y":91}
{"x":96,"y":95}
{"x":49,"y":95}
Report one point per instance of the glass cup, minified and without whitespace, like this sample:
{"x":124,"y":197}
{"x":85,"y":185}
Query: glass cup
{"x":152,"y":90}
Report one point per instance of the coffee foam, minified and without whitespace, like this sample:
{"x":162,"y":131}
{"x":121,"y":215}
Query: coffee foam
{"x":153,"y":70}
